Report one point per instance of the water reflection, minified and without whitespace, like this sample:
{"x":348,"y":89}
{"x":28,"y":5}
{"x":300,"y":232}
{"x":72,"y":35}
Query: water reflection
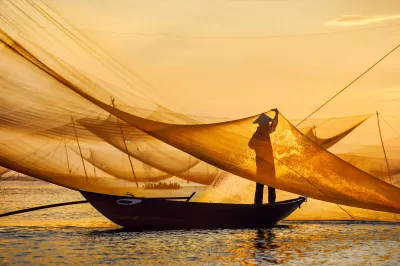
{"x":265,"y":245}
{"x":339,"y":243}
{"x":251,"y":247}
{"x":82,"y":236}
{"x":265,"y":239}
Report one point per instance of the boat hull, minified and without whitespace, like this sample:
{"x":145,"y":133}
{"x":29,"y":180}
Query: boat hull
{"x":140,"y":214}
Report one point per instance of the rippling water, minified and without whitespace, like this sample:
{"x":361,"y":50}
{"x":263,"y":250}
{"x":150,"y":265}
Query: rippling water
{"x":79,"y":235}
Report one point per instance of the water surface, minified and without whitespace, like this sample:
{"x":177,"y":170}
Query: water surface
{"x":79,"y":235}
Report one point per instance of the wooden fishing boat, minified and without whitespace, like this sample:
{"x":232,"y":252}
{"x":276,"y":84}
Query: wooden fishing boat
{"x":172,"y":213}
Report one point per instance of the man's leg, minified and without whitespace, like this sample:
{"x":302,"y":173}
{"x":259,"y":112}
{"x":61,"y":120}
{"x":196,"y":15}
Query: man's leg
{"x":271,"y":195}
{"x":258,"y":196}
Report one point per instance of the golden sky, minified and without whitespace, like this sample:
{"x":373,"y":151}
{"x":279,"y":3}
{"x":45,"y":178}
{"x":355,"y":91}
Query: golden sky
{"x":241,"y":57}
{"x":221,"y":57}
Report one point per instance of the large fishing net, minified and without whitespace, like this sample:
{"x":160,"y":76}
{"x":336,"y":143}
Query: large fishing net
{"x":3,"y":170}
{"x":371,"y":160}
{"x":56,"y":126}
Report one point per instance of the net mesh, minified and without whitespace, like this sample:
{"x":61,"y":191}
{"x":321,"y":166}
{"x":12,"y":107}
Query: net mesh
{"x":372,"y":160}
{"x":50,"y":106}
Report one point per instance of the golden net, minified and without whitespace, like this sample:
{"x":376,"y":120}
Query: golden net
{"x":48,"y":104}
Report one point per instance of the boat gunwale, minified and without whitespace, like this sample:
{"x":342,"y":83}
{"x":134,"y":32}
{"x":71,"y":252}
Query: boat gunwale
{"x":300,"y":200}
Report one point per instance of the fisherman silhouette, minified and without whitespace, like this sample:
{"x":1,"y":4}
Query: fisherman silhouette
{"x":261,"y":144}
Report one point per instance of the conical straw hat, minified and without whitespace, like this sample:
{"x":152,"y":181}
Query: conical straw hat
{"x":263,"y":119}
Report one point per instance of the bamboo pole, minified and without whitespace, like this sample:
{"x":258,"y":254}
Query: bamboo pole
{"x":315,"y":134}
{"x":383,"y":147}
{"x":79,"y":146}
{"x":43,"y":207}
{"x":126,"y":147}
{"x":66,"y":154}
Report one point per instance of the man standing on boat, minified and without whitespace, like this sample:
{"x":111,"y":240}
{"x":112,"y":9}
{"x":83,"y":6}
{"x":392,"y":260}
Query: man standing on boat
{"x":261,"y":144}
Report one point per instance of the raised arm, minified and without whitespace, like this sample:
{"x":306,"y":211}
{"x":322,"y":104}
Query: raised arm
{"x":274,"y":123}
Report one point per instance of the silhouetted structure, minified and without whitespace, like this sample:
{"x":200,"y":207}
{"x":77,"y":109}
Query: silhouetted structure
{"x":162,"y":185}
{"x":171,"y":213}
{"x":261,"y":144}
